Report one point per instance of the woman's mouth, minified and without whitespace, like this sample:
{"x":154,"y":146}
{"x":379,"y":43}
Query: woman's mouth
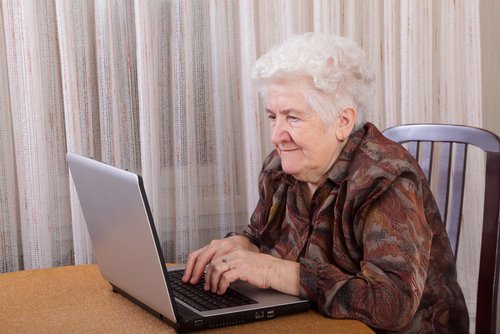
{"x":288,"y":149}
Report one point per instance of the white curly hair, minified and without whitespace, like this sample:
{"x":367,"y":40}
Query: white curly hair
{"x":339,"y":69}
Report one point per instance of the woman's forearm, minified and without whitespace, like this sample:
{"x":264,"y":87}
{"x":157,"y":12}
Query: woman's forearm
{"x":284,"y":276}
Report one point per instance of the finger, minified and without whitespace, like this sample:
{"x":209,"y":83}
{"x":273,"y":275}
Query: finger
{"x":198,"y":260}
{"x":195,"y":266}
{"x":208,"y":273}
{"x":220,"y":266}
{"x":226,"y":279}
{"x":202,"y":260}
{"x":188,"y":270}
{"x":214,"y":274}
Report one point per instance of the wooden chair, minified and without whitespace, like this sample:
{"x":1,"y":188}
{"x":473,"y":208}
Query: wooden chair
{"x":422,"y":141}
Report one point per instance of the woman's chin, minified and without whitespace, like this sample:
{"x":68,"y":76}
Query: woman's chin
{"x":291,"y":170}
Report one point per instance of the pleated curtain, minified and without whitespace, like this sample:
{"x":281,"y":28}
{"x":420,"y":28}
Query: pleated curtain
{"x":162,"y":88}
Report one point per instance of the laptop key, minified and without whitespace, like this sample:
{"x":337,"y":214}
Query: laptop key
{"x":202,"y":300}
{"x":190,"y":301}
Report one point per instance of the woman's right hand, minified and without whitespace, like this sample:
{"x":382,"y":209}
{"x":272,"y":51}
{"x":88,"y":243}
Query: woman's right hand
{"x":199,"y":259}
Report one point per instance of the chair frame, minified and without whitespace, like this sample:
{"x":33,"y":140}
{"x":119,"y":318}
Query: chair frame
{"x":456,"y":138}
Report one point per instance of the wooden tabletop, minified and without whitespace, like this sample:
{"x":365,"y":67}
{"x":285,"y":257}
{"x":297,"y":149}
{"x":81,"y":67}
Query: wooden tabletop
{"x":77,"y":299}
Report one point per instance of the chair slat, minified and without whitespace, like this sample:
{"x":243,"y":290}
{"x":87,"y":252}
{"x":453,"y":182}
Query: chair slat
{"x":457,"y":195}
{"x":412,"y":148}
{"x":425,"y":153}
{"x":444,"y":179}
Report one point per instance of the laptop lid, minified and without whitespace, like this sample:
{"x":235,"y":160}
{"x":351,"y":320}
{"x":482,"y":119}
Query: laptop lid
{"x":129,"y":255}
{"x":120,"y":231}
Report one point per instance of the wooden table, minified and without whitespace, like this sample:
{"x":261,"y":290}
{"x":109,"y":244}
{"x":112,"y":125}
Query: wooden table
{"x":77,"y":299}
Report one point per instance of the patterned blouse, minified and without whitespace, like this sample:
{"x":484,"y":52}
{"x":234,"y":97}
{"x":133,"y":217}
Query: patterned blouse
{"x":371,"y":245}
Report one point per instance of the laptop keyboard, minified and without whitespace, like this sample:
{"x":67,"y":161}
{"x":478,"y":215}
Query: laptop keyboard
{"x":202,"y":300}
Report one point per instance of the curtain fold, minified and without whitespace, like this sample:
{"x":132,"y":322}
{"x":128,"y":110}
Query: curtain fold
{"x":10,"y":256}
{"x":163,"y":88}
{"x":76,"y":35}
{"x":37,"y":126}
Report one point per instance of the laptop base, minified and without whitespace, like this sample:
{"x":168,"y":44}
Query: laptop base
{"x":189,"y":321}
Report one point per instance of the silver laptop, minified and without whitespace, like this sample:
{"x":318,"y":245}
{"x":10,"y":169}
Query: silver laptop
{"x":129,"y":256}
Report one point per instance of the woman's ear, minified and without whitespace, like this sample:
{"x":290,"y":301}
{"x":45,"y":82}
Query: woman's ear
{"x":345,"y":123}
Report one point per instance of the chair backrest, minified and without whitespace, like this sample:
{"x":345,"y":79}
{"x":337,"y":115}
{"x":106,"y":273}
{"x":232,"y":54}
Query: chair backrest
{"x":422,"y":141}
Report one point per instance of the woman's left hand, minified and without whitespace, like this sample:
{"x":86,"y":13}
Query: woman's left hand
{"x":260,"y":270}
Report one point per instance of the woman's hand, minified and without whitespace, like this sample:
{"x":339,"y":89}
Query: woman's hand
{"x":260,"y":270}
{"x":199,"y":259}
{"x":227,"y":260}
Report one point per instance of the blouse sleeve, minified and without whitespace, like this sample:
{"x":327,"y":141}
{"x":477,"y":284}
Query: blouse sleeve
{"x":396,"y":243}
{"x":267,"y":178}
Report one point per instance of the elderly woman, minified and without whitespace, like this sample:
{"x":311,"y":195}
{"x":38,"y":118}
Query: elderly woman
{"x":345,"y":216}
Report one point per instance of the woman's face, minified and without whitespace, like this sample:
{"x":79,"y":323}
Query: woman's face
{"x":307,"y":147}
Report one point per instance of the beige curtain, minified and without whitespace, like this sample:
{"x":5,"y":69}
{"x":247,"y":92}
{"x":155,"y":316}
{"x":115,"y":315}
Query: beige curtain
{"x":163,"y":88}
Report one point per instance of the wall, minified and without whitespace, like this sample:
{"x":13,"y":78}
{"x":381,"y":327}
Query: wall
{"x":490,"y":54}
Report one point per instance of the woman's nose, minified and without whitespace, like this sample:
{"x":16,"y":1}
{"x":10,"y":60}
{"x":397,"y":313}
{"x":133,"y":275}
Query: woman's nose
{"x":279,"y":133}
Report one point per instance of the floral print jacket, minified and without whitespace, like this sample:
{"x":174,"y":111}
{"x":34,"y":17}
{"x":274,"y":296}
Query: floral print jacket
{"x":371,"y":244}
